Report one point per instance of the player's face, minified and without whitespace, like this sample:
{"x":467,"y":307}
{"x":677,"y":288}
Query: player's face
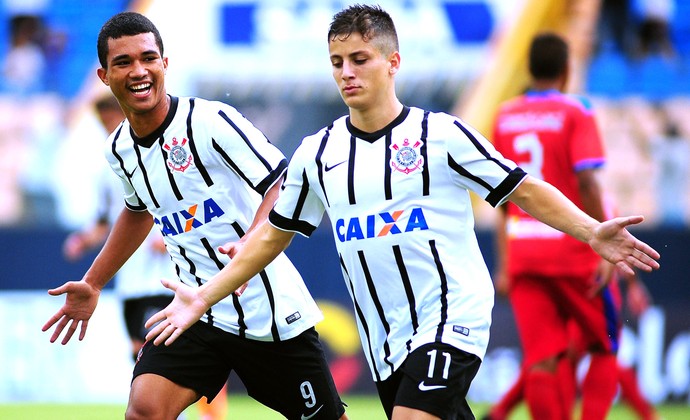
{"x":136,"y":73}
{"x":363,"y":74}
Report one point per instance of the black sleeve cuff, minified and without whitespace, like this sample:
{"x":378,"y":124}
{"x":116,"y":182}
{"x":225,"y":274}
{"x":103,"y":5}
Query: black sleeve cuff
{"x":506,"y":187}
{"x":290,"y":225}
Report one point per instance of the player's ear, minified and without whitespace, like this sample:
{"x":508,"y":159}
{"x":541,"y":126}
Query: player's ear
{"x":394,"y":62}
{"x":102,"y":75}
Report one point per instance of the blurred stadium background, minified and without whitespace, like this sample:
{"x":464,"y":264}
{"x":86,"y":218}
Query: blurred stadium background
{"x":269,"y":59}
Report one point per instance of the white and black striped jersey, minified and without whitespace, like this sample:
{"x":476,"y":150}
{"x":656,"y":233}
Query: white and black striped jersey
{"x":400,"y":209}
{"x":202,"y":175}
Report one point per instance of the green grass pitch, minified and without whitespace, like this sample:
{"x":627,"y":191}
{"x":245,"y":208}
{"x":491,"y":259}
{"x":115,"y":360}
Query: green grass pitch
{"x":242,"y":407}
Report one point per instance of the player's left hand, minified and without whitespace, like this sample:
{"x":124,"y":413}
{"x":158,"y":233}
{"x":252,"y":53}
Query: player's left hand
{"x":614,"y":243}
{"x":185,"y":309}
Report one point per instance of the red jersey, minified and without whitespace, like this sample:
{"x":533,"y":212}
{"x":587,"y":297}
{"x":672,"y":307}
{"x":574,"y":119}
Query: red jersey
{"x":551,"y":136}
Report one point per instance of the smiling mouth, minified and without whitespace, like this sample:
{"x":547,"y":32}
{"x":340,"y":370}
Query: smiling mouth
{"x":140,"y":88}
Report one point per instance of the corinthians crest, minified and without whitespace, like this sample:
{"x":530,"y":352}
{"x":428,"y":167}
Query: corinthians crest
{"x":179,"y":157}
{"x":406,"y":157}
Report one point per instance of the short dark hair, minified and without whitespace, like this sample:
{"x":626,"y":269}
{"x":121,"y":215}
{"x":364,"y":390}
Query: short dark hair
{"x":125,"y":24}
{"x":372,"y":22}
{"x":548,"y":56}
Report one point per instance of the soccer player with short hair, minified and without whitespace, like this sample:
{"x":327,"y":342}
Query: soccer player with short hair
{"x":395,"y":181}
{"x":137,"y":282}
{"x":554,"y":137}
{"x":203,"y":175}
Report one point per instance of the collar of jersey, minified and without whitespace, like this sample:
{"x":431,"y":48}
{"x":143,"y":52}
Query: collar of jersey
{"x":542,"y":93}
{"x":372,"y":137}
{"x":149,"y":140}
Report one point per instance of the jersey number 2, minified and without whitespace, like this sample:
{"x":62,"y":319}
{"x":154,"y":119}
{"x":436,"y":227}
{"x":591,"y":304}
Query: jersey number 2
{"x":529,"y":143}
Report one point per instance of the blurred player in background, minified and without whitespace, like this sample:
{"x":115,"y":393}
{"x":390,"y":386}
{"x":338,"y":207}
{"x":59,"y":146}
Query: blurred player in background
{"x":395,"y":181}
{"x":137,"y":283}
{"x":638,"y":300}
{"x":203,"y":175}
{"x":554,"y":137}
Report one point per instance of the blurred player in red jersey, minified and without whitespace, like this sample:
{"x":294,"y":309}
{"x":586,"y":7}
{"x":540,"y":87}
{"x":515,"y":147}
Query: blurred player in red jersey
{"x":554,"y":137}
{"x":638,"y":301}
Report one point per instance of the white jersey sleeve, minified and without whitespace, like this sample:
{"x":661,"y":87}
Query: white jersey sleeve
{"x":300,"y":208}
{"x":473,"y":161}
{"x":242,"y":147}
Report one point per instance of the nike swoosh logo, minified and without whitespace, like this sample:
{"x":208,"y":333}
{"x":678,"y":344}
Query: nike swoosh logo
{"x":312,"y":414}
{"x":425,"y":387}
{"x":328,"y":168}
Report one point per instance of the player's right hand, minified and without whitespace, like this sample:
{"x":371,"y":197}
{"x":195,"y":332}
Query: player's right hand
{"x":80,"y":304}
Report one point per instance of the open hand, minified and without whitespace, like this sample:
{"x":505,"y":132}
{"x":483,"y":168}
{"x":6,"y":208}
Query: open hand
{"x":614,"y":243}
{"x":80,"y":304}
{"x":185,"y":309}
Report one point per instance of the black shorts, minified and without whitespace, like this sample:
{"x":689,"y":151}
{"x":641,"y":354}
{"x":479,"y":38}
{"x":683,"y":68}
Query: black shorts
{"x":138,"y":310}
{"x":435,"y":379}
{"x":291,"y":376}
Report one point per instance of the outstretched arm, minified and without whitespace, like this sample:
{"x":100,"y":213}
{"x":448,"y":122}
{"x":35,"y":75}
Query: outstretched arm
{"x":610,"y":239}
{"x":231,"y":248}
{"x":261,"y":247}
{"x":127,"y":234}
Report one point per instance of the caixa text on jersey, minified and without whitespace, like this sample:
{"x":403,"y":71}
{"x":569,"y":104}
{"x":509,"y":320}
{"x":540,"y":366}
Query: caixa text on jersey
{"x":381,"y":224}
{"x":186,"y":220}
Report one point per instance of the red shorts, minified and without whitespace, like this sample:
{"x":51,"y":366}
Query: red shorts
{"x":543,"y":306}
